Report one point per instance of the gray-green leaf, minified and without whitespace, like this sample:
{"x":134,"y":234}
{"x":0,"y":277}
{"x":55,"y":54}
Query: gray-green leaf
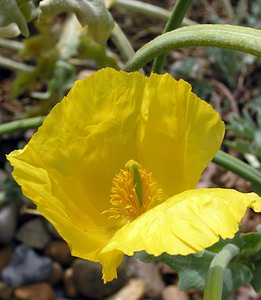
{"x":89,"y":12}
{"x":15,"y":14}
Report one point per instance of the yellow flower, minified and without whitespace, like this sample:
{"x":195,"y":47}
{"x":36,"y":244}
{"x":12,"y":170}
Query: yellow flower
{"x":115,"y":164}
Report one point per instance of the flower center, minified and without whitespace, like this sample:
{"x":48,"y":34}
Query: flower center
{"x":133,"y":192}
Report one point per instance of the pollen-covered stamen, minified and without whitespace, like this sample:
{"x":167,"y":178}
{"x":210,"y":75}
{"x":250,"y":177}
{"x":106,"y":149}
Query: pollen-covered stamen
{"x":133,"y":192}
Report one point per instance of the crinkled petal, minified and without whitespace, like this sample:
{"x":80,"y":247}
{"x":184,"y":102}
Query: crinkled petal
{"x":56,"y":198}
{"x":68,"y":166}
{"x":110,"y":118}
{"x":186,"y":223}
{"x":89,"y":136}
{"x":84,"y":242}
{"x":179,"y":133}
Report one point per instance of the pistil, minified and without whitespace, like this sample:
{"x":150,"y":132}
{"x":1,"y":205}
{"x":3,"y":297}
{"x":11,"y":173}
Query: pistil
{"x":133,"y":193}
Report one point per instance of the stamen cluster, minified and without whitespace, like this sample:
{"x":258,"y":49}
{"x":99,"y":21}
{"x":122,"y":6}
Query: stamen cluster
{"x":124,"y":199}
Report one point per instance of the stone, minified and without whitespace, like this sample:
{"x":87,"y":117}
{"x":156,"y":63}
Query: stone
{"x":56,"y":275}
{"x":59,"y":251}
{"x":39,"y":291}
{"x":52,"y":230}
{"x":34,"y":234}
{"x":8,"y":222}
{"x":134,"y":290}
{"x":87,"y":277}
{"x":5,"y":291}
{"x":172,"y":292}
{"x":5,"y":256}
{"x":26,"y":267}
{"x":69,"y":286}
{"x":58,"y":291}
{"x":149,"y":273}
{"x":247,"y":292}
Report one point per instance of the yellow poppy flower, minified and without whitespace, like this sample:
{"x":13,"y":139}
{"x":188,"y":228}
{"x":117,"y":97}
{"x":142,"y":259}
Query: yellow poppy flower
{"x":114,"y":167}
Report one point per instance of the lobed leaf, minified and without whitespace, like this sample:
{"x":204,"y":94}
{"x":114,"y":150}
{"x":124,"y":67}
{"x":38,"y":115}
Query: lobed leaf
{"x":14,"y":16}
{"x":89,"y":12}
{"x":193,"y":269}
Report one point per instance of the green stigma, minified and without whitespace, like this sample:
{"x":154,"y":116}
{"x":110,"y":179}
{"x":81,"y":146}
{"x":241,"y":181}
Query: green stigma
{"x":133,"y":167}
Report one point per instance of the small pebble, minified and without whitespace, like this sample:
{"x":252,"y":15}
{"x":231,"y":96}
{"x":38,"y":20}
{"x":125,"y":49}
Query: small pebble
{"x":26,"y":267}
{"x":87,"y":277}
{"x":5,"y":291}
{"x":34,"y":234}
{"x":52,"y":230}
{"x":5,"y":256}
{"x":69,"y":286}
{"x":247,"y":292}
{"x":39,"y":291}
{"x":59,"y":252}
{"x":134,"y":290}
{"x":149,"y":273}
{"x":56,"y":275}
{"x":172,"y":292}
{"x":8,"y":221}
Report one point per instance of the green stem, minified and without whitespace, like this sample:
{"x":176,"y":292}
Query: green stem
{"x":238,"y":167}
{"x":24,"y":124}
{"x":121,"y":42}
{"x":229,"y":9}
{"x":11,"y":44}
{"x":69,"y":38}
{"x":177,"y":15}
{"x":150,"y":10}
{"x":224,"y":36}
{"x":214,"y":284}
{"x":241,"y":11}
{"x":14,"y":65}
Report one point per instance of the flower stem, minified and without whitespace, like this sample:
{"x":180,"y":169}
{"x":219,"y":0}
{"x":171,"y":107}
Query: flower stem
{"x":238,"y":167}
{"x":121,"y":42}
{"x":11,"y":44}
{"x":174,"y":21}
{"x":149,"y":10}
{"x":214,"y":284}
{"x":216,"y":35}
{"x":10,"y":64}
{"x":229,"y":9}
{"x":21,"y":125}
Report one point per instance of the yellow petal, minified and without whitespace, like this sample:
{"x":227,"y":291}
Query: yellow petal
{"x":85,"y":242}
{"x":89,"y":136}
{"x":57,"y":198}
{"x":68,"y":166}
{"x":106,"y":120}
{"x":110,"y":118}
{"x":179,"y":133}
{"x":186,"y":223}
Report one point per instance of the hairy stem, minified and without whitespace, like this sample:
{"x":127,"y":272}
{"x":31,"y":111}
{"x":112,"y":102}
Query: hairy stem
{"x":224,"y":36}
{"x":11,"y":44}
{"x":175,"y":20}
{"x":214,"y":285}
{"x":238,"y":167}
{"x":121,"y":42}
{"x":10,"y":64}
{"x":150,"y":10}
{"x":24,"y":124}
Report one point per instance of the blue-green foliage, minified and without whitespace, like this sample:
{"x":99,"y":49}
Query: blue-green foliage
{"x":246,"y":129}
{"x":193,"y":269}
